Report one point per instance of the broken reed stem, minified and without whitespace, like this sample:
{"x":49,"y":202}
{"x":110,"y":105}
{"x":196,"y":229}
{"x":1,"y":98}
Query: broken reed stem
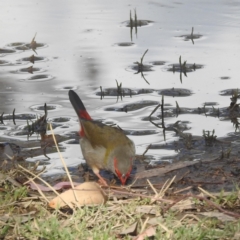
{"x":143,"y":56}
{"x":154,"y":110}
{"x":188,"y":216}
{"x":169,"y":232}
{"x":207,"y":193}
{"x":136,"y":195}
{"x":14,"y":116}
{"x":63,"y":162}
{"x":35,"y":176}
{"x":153,"y":188}
{"x":162,"y":116}
{"x":162,"y":110}
{"x":182,"y":190}
{"x":135,"y":19}
{"x":163,"y":124}
{"x":1,"y":118}
{"x":146,"y":149}
{"x":164,"y":188}
{"x":144,"y":78}
{"x":144,"y":225}
{"x":207,"y":201}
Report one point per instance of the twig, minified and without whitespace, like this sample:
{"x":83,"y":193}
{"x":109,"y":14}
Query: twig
{"x":164,"y":188}
{"x":154,"y":110}
{"x":47,"y":184}
{"x":153,"y":188}
{"x":232,"y":214}
{"x":144,"y":225}
{"x":63,"y":162}
{"x":146,"y":150}
{"x":207,"y":193}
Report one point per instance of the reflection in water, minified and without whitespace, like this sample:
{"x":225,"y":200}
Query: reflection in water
{"x":141,"y":67}
{"x":48,"y":107}
{"x":5,"y":51}
{"x":184,"y":68}
{"x":40,"y":78}
{"x":191,"y":36}
{"x":84,"y":60}
{"x":125,"y":44}
{"x":30,"y":69}
{"x":31,"y":59}
{"x":135,"y":23}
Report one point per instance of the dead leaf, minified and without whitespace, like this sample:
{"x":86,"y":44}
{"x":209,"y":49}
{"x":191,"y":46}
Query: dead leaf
{"x":236,"y":236}
{"x":131,"y":230}
{"x":155,"y":220}
{"x":155,"y":210}
{"x":88,"y":193}
{"x":149,"y":232}
{"x":20,"y":218}
{"x":184,"y":205}
{"x":220,"y":216}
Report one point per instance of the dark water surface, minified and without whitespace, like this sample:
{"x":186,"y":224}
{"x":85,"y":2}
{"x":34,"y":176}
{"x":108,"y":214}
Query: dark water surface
{"x":83,"y":45}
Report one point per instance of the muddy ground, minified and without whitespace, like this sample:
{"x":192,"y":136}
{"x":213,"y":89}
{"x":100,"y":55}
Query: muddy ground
{"x":200,"y":161}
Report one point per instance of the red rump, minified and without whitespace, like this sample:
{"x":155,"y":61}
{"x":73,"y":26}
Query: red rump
{"x":81,"y":131}
{"x":84,"y":115}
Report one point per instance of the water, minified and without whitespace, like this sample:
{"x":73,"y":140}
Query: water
{"x":80,"y":50}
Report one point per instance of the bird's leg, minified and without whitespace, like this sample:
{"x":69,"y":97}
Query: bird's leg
{"x":102,"y":181}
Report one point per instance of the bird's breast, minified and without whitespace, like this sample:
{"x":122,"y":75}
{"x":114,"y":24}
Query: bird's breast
{"x":94,"y":156}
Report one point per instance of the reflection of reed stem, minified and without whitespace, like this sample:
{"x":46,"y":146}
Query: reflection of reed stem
{"x":143,"y":56}
{"x":135,"y":18}
{"x":1,"y":118}
{"x":178,"y":110}
{"x":119,"y":90}
{"x":154,"y":110}
{"x":130,"y":92}
{"x":102,"y":93}
{"x":29,"y":130}
{"x":192,"y":35}
{"x":204,"y":108}
{"x":131,"y":24}
{"x":162,"y":110}
{"x":14,"y":116}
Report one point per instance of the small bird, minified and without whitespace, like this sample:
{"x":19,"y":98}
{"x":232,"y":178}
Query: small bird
{"x":103,"y":146}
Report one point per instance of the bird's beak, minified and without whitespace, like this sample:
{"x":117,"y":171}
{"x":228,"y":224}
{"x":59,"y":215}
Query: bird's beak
{"x":123,"y":180}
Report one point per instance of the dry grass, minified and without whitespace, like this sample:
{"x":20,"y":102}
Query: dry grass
{"x":129,"y":214}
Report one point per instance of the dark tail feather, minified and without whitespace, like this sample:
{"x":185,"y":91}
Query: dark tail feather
{"x":78,"y":105}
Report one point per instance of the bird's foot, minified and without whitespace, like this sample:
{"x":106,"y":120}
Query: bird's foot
{"x":102,"y":182}
{"x":101,"y":179}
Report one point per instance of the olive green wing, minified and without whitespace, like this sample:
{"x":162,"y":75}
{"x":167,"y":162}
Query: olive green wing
{"x":103,"y":135}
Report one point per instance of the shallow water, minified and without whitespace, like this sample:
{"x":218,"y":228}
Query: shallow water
{"x":87,"y":44}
